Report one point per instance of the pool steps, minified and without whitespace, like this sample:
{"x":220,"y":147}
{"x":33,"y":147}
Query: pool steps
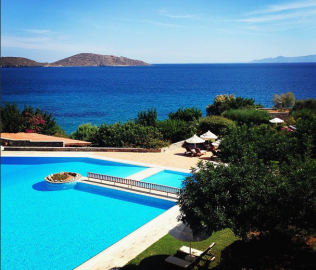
{"x":144,"y":174}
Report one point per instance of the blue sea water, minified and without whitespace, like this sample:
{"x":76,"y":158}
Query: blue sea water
{"x":44,"y":229}
{"x":77,"y":95}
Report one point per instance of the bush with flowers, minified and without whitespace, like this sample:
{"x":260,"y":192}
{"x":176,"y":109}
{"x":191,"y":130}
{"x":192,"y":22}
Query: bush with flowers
{"x":29,"y":120}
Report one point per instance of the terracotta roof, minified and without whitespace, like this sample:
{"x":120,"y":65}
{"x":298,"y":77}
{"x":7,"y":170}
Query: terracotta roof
{"x":42,"y":138}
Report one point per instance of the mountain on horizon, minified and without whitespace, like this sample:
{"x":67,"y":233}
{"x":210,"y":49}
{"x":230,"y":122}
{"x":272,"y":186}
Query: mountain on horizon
{"x":282,"y":59}
{"x":78,"y":60}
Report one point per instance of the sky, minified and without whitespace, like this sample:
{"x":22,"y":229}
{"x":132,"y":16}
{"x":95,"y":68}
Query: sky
{"x":164,"y":31}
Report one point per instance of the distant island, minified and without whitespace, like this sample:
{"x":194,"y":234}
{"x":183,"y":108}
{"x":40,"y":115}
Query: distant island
{"x":282,"y":59}
{"x":78,"y":60}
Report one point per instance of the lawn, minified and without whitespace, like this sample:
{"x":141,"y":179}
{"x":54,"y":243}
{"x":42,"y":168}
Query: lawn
{"x":153,"y":258}
{"x":232,"y":253}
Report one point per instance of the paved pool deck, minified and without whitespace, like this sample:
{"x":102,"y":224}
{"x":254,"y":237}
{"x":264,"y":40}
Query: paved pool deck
{"x":119,"y":254}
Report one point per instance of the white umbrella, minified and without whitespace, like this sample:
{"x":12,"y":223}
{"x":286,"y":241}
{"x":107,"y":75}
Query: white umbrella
{"x":217,"y":143}
{"x":276,"y":121}
{"x":183,"y":232}
{"x":195,"y":139}
{"x":208,"y":136}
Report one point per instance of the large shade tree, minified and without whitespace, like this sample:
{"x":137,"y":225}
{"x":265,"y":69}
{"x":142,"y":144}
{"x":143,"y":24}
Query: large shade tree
{"x":258,"y":191}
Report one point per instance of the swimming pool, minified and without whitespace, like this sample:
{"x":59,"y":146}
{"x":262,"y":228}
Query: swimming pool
{"x":167,"y":178}
{"x":43,"y":229}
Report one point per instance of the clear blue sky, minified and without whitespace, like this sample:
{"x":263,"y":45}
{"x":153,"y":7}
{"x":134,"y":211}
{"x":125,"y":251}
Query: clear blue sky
{"x":164,"y":31}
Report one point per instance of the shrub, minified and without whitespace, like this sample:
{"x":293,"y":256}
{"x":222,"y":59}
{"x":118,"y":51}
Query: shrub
{"x":187,"y":114}
{"x":148,"y":118}
{"x":262,"y":140}
{"x":217,"y":124}
{"x":303,"y":114}
{"x":304,"y":109}
{"x":39,"y":122}
{"x":129,"y":134}
{"x":29,"y":120}
{"x":12,"y":120}
{"x":301,"y":104}
{"x":85,"y":132}
{"x":174,"y":130}
{"x":224,"y":102}
{"x":247,"y":116}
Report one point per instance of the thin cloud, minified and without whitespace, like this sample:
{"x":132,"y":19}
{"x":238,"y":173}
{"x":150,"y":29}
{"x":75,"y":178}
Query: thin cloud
{"x":278,"y":17}
{"x":182,"y":16}
{"x":285,"y":7}
{"x":37,"y":31}
{"x":289,"y":13}
{"x":179,"y":16}
{"x":161,"y":24}
{"x":48,"y":44}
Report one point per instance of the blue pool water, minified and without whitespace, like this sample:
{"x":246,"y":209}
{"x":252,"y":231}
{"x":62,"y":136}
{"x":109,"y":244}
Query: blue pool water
{"x":167,"y":178}
{"x":43,"y":229}
{"x":49,"y":165}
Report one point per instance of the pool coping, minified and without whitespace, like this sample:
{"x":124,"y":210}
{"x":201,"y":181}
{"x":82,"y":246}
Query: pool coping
{"x":86,"y":155}
{"x":126,"y":249}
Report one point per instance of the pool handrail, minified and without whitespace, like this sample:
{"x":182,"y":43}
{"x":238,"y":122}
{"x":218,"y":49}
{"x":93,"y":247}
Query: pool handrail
{"x":134,"y":183}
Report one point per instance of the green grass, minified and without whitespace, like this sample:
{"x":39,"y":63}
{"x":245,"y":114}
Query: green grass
{"x":153,"y":257}
{"x":231,"y":253}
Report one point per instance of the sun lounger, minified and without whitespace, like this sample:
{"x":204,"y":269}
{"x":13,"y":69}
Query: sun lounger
{"x":186,"y":264}
{"x":208,"y":147}
{"x":195,"y":252}
{"x":199,"y":152}
{"x":179,"y":262}
{"x":190,"y":151}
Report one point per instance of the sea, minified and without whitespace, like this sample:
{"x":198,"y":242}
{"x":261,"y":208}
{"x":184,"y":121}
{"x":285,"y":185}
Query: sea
{"x":97,"y":95}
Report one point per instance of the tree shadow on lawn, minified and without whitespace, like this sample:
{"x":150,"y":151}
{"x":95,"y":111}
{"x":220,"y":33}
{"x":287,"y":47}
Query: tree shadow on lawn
{"x":267,"y":254}
{"x":156,"y":262}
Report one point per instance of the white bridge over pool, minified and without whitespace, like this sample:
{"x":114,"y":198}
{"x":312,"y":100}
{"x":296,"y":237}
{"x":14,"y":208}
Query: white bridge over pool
{"x":130,"y":183}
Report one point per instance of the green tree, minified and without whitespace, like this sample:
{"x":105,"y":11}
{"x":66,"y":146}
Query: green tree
{"x":223,"y":103}
{"x":85,"y":132}
{"x":305,"y":109}
{"x":288,"y":99}
{"x":12,"y":120}
{"x":174,"y":130}
{"x":251,"y":197}
{"x":29,"y":120}
{"x":219,"y":105}
{"x":262,"y":140}
{"x":147,"y":118}
{"x":268,"y":185}
{"x":60,"y":132}
{"x":217,"y":124}
{"x":305,"y":136}
{"x":301,"y":104}
{"x":186,"y":114}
